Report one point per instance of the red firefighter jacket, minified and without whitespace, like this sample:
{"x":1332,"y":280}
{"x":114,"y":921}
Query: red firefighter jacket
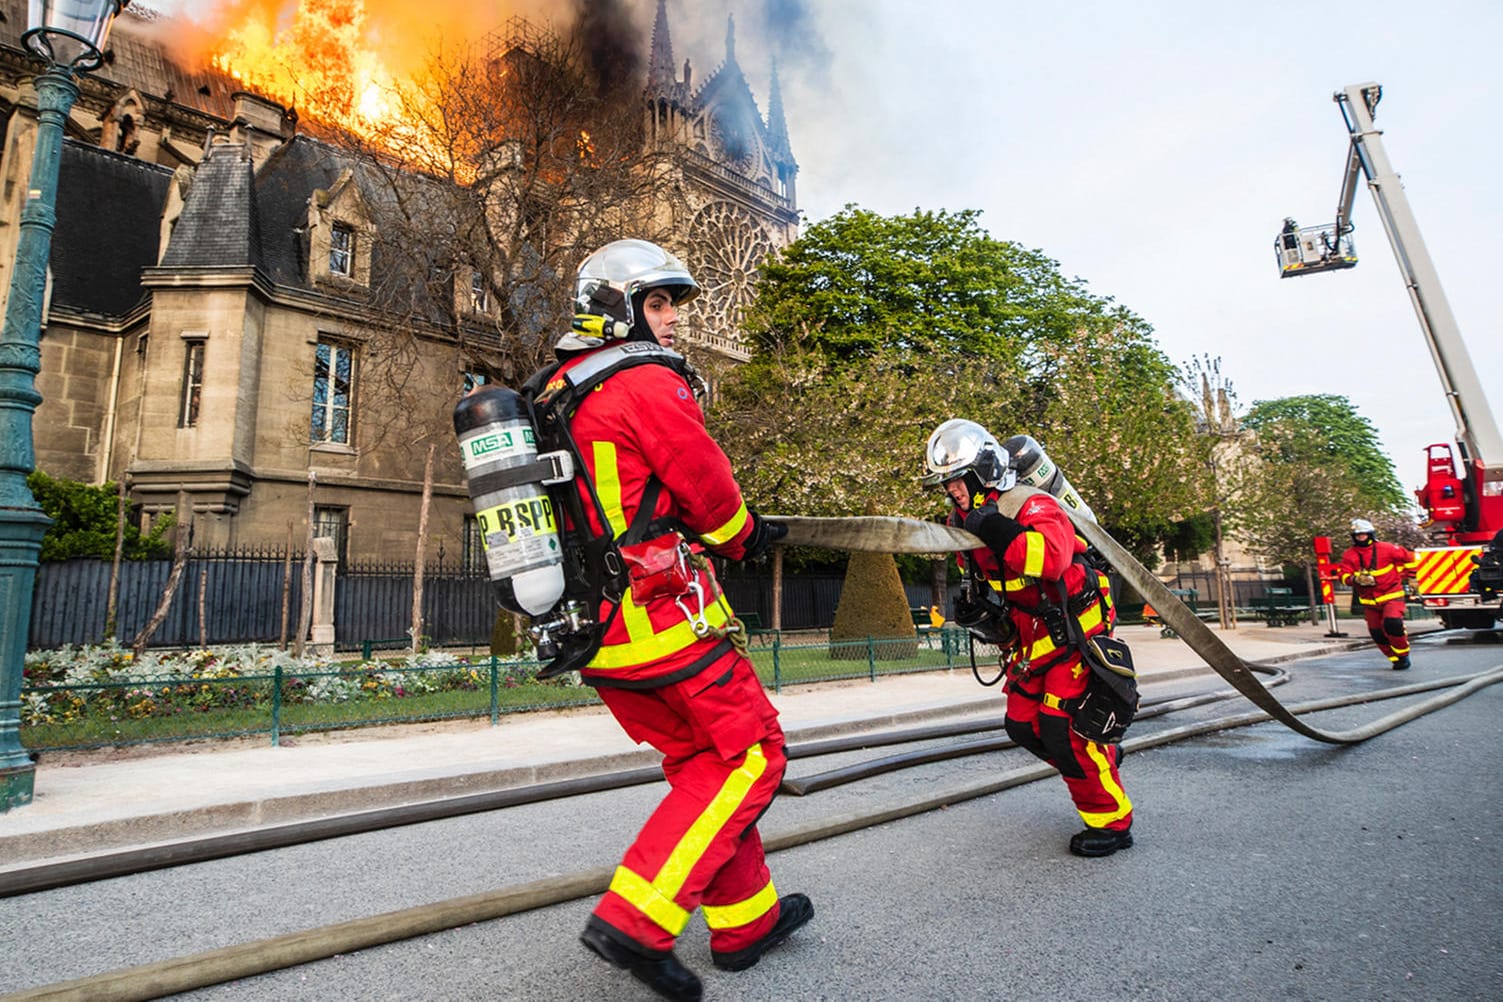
{"x":1387,"y":563}
{"x":1025,"y":576}
{"x":644,"y":422}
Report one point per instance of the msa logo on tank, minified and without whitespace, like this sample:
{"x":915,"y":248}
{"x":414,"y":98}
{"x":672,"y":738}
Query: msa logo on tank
{"x":519,"y":529}
{"x":487,"y":445}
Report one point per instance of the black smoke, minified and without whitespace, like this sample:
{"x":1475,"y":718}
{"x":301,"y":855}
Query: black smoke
{"x":613,"y":44}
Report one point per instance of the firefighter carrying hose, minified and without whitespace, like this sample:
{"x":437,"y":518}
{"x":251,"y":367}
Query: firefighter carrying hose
{"x":1376,"y":571}
{"x":1034,"y":595}
{"x":671,"y":665}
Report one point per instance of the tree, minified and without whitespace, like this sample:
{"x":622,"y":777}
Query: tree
{"x":870,"y":331}
{"x":1285,"y":501}
{"x":85,"y":520}
{"x":1344,"y":438}
{"x":859,"y":283}
{"x":495,"y":173}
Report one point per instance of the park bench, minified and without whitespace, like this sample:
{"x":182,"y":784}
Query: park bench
{"x":924,"y":626}
{"x":1276,"y":607}
{"x":755,"y":631}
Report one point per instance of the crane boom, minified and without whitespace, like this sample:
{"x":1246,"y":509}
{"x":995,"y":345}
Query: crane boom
{"x":1476,"y":430}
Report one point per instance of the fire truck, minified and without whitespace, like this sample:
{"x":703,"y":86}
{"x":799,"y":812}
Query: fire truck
{"x":1460,"y":576}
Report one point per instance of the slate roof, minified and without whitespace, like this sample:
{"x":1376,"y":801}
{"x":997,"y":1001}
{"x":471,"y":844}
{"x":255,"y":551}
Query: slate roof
{"x":218,"y":226}
{"x":109,"y":217}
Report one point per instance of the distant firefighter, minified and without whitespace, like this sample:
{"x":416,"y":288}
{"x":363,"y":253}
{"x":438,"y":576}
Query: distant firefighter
{"x":1376,"y":572}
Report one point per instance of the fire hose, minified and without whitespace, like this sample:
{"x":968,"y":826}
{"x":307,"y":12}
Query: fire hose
{"x":901,"y":535}
{"x":243,"y":960}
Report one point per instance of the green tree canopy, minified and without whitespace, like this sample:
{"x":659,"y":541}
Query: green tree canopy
{"x":1338,"y":436}
{"x":873,"y":330}
{"x":859,"y":282}
{"x":1285,"y":488}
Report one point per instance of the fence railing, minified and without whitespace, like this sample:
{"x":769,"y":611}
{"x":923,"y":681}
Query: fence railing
{"x":120,"y":709}
{"x":255,"y":596}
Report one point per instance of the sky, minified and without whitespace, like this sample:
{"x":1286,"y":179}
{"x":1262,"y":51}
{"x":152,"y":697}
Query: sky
{"x":1153,"y":150}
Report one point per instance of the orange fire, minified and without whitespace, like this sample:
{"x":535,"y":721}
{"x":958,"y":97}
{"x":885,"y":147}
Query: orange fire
{"x":358,"y":66}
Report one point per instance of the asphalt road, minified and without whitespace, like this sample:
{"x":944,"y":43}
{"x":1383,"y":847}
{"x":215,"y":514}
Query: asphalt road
{"x":1266,"y":865}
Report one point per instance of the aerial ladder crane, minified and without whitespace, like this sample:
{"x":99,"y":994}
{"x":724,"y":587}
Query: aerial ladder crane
{"x":1460,"y":577}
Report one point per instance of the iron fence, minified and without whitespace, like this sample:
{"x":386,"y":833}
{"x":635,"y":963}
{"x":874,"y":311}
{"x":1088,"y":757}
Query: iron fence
{"x":254,"y":595}
{"x":118,"y":709}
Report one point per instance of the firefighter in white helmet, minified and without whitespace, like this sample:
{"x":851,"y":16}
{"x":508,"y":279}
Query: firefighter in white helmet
{"x":1376,"y":571}
{"x":669,"y":667}
{"x":1014,"y":600}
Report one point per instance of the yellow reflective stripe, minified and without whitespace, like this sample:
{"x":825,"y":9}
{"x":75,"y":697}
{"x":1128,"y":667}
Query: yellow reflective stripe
{"x":1018,"y":584}
{"x":711,"y":821}
{"x":608,"y":486}
{"x":742,"y":912}
{"x":650,"y":901}
{"x":727,"y":532}
{"x":1097,"y":754}
{"x":654,"y":646}
{"x":634,"y":617}
{"x":1033,"y":560}
{"x":1091,"y":618}
{"x":1380,"y":599}
{"x":1041,"y":647}
{"x":996,"y":585}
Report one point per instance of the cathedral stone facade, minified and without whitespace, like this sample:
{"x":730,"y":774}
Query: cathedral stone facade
{"x":207,"y":332}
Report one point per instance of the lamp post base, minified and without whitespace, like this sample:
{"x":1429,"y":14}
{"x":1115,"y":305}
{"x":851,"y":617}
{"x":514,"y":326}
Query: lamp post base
{"x":16,"y":786}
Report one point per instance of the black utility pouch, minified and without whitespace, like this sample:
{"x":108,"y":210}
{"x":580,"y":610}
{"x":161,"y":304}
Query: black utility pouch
{"x":1110,"y":701}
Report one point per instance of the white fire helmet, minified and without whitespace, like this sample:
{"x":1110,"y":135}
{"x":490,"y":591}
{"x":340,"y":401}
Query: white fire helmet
{"x":960,"y":447}
{"x":611,"y":279}
{"x":1362,"y":525}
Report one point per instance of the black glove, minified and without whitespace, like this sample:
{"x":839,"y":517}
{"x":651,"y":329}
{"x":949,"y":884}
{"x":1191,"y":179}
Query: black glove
{"x":763,"y":535}
{"x":966,"y":613}
{"x":993,"y":528}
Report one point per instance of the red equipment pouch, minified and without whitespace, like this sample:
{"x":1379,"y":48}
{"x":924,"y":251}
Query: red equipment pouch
{"x":659,"y":568}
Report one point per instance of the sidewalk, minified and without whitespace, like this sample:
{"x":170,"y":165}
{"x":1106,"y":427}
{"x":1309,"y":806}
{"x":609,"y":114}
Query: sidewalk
{"x":140,"y":796}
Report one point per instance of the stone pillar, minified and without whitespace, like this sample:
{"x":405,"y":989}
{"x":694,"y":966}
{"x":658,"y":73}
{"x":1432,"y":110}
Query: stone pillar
{"x":326,"y":562}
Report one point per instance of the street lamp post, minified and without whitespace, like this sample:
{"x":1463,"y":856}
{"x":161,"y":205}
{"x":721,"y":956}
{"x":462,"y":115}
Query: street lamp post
{"x":69,"y":37}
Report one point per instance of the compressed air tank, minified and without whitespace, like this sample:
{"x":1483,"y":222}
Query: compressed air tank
{"x":516,"y":518}
{"x":1036,"y":469}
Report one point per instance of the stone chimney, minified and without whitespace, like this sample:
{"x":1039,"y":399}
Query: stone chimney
{"x":261,"y":124}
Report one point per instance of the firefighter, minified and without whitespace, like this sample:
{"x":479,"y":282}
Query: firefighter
{"x":669,"y":667}
{"x":1376,"y":571}
{"x":1014,"y":600}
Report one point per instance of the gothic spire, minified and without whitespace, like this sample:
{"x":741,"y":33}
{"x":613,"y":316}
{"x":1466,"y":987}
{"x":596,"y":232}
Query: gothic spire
{"x":660,"y":71}
{"x":730,"y":39}
{"x":777,"y":125}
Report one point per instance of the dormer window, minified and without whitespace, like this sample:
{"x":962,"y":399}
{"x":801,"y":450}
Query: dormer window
{"x":341,"y":250}
{"x":341,"y":236}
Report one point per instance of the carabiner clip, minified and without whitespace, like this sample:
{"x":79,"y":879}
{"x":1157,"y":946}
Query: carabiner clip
{"x":696,"y":620}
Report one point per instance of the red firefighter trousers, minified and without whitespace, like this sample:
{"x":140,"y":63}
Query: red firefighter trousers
{"x":1038,"y":720}
{"x":723,"y":759}
{"x":1385,"y":624}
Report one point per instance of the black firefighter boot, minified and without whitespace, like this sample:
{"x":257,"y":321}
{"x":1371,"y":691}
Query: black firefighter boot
{"x":1099,"y":841}
{"x":793,"y":911}
{"x":659,"y":970}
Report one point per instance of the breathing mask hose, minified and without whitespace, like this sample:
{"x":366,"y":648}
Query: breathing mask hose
{"x":505,"y":478}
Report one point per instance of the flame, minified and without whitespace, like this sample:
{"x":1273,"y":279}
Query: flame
{"x":357,"y":66}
